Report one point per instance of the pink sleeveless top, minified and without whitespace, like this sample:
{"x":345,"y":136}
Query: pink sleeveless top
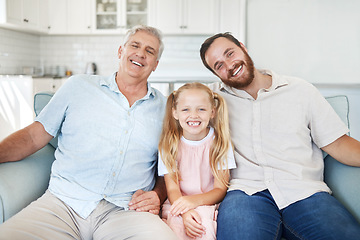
{"x":194,"y":166}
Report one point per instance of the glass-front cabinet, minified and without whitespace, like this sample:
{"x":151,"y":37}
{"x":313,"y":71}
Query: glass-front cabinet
{"x":120,"y":15}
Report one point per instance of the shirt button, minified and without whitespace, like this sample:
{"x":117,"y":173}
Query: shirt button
{"x":126,"y":131}
{"x":121,"y":152}
{"x":104,"y":196}
{"x":114,"y":174}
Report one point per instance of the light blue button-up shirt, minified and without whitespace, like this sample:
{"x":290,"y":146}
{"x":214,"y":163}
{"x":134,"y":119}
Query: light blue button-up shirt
{"x":106,"y":149}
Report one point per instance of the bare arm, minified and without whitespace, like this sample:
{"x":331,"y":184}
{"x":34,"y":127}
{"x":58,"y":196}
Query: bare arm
{"x":346,"y":150}
{"x":172,"y":188}
{"x":149,"y":201}
{"x":185,"y":203}
{"x":160,"y":189}
{"x":23,"y":143}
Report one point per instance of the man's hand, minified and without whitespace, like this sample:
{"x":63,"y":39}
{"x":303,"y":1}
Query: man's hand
{"x":192,"y":224}
{"x":143,"y":201}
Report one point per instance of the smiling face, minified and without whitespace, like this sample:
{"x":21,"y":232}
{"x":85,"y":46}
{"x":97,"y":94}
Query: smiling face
{"x":231,"y":63}
{"x":138,"y":57}
{"x":194,"y":111}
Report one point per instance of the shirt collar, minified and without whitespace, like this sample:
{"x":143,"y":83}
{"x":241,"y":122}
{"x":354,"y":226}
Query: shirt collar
{"x":110,"y":82}
{"x":277,"y":82}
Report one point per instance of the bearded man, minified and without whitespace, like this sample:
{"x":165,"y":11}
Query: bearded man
{"x":279,"y":125}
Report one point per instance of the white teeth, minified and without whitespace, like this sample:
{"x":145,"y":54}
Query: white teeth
{"x":194,"y":123}
{"x":139,"y":64}
{"x":237,"y":71}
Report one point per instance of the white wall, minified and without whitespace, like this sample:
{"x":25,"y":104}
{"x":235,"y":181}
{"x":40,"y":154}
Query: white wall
{"x":318,"y":40}
{"x":18,"y":50}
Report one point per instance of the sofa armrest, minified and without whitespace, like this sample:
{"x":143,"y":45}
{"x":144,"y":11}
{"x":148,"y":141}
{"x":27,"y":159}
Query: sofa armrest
{"x":24,"y":181}
{"x":344,"y":181}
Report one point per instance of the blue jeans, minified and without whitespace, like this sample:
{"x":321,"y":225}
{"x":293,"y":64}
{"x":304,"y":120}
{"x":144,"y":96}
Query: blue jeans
{"x":319,"y":216}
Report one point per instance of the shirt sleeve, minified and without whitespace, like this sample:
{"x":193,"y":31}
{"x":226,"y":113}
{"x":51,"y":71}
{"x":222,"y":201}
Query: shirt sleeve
{"x":53,"y":114}
{"x":326,"y":126}
{"x":162,"y":170}
{"x":230,"y":159}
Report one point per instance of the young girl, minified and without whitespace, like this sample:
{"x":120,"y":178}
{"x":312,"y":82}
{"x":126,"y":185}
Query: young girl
{"x":195,"y":157}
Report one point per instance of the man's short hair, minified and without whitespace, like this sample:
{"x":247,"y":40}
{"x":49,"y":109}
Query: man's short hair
{"x":151,"y":30}
{"x":207,"y":43}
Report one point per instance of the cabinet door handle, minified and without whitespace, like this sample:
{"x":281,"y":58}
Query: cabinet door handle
{"x":26,"y":20}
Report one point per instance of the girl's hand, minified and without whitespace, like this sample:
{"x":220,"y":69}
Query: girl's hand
{"x":192,"y":224}
{"x":182,"y":205}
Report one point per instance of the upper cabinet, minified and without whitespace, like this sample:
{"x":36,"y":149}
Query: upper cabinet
{"x":28,"y":15}
{"x":44,"y":15}
{"x":184,"y":16}
{"x":70,"y":17}
{"x":116,"y":16}
{"x":233,"y":18}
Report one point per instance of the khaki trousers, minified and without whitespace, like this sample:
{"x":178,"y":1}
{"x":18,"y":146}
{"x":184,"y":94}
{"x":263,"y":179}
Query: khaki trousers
{"x":49,"y":218}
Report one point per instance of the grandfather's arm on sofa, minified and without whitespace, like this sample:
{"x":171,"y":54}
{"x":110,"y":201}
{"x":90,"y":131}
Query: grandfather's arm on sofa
{"x":24,"y":181}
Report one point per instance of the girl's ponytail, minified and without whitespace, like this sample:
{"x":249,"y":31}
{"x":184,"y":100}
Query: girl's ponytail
{"x":222,"y":143}
{"x":169,"y":139}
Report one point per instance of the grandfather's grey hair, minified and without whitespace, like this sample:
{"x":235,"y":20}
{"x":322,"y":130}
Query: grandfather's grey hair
{"x":151,"y":30}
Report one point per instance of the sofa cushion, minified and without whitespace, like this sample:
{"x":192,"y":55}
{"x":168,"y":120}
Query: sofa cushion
{"x":40,"y":101}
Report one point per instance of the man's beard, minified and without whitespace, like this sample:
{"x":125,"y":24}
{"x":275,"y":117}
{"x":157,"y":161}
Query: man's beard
{"x":246,"y":78}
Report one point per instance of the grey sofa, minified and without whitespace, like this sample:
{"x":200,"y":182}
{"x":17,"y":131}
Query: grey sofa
{"x":24,"y":181}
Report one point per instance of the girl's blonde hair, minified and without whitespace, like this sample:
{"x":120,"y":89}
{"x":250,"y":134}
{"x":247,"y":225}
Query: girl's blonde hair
{"x":172,"y":132}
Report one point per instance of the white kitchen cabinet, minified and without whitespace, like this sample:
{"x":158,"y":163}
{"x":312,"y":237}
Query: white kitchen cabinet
{"x":14,"y":12}
{"x":27,"y":15}
{"x":185,"y":16}
{"x":44,"y":15}
{"x":116,"y":16}
{"x":30,"y":10}
{"x":47,"y":84}
{"x":70,"y":16}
